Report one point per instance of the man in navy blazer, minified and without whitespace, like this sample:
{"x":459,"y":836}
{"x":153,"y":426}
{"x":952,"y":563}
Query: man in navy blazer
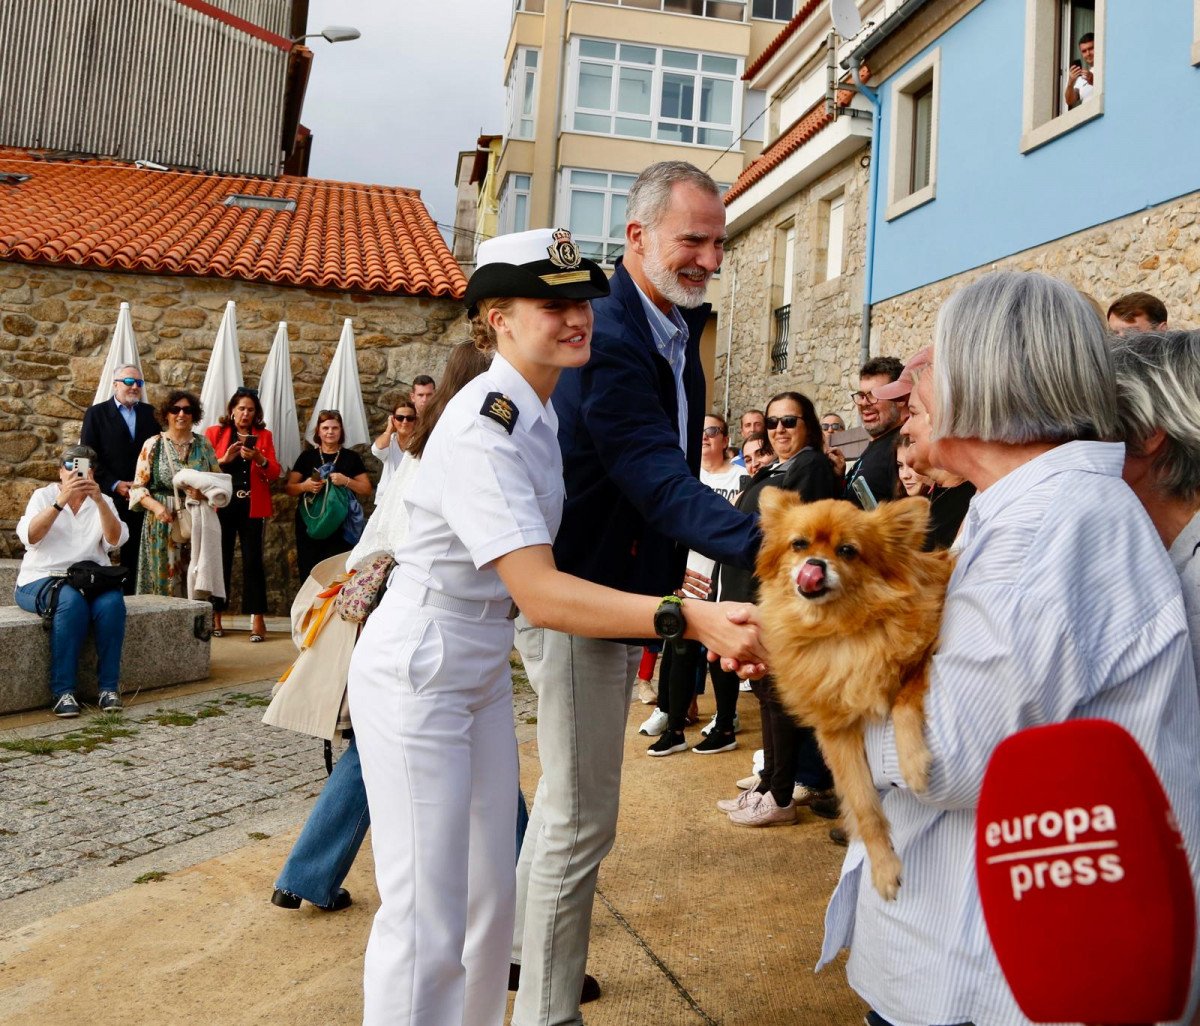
{"x":630,"y":424}
{"x":117,"y":429}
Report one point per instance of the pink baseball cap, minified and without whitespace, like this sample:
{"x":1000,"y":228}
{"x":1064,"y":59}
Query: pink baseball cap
{"x":901,"y":387}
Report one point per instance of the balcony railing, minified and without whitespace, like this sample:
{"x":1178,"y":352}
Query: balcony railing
{"x":779,"y":348}
{"x":725,"y":10}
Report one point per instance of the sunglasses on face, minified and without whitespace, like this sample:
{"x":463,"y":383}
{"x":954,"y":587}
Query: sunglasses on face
{"x":863,"y":399}
{"x":830,"y":428}
{"x":789,"y":422}
{"x":408,"y":418}
{"x":130,"y":381}
{"x":180,"y":411}
{"x":712,"y":431}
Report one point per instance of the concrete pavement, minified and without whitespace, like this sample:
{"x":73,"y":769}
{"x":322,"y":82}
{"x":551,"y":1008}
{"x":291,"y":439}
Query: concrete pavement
{"x":139,"y":873}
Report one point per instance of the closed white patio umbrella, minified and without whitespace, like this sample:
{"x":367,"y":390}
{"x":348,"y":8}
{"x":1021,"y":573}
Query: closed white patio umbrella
{"x":278,"y":399}
{"x":122,"y":351}
{"x":341,"y":391}
{"x":224,"y":374}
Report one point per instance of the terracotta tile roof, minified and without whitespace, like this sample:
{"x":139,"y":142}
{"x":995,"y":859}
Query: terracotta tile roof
{"x":787,"y":144}
{"x":101,"y":213}
{"x":785,"y":34}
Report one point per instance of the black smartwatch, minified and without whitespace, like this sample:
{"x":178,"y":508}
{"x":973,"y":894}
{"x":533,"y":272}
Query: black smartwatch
{"x":670,"y":623}
{"x":57,"y":506}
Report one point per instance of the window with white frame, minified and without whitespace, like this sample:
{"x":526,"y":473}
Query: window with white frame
{"x":912,"y":159}
{"x":513,"y":214}
{"x":773,"y":10}
{"x":1064,"y":67}
{"x":832,"y":235}
{"x":521,"y":93}
{"x":725,"y":10}
{"x":595,"y":205}
{"x":652,"y":92}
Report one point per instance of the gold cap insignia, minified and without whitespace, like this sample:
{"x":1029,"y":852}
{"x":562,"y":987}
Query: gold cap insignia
{"x":563,"y":251}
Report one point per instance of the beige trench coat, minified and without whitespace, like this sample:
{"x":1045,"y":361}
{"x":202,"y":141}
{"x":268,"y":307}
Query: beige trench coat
{"x":311,"y":697}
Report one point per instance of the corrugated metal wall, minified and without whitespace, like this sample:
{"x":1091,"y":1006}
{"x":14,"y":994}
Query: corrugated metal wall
{"x":273,"y":15}
{"x":140,"y":79}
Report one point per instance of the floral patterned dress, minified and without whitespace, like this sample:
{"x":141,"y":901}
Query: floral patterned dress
{"x":162,"y":564}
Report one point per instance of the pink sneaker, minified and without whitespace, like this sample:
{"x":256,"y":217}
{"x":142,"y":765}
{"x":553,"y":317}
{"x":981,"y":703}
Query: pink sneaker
{"x":764,"y":813}
{"x":746,"y":798}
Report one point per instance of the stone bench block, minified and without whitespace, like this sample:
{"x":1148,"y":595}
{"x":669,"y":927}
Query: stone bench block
{"x":166,"y":642}
{"x":8,"y":580}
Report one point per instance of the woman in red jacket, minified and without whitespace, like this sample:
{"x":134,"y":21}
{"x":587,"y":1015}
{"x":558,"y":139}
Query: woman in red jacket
{"x":246,"y":452}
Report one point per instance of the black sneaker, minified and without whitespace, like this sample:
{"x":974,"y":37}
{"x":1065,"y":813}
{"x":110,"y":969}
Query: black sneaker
{"x":110,"y":701}
{"x":716,"y":742}
{"x":668,"y":743}
{"x":65,"y":707}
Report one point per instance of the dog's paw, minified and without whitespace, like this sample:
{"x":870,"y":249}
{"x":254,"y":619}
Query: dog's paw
{"x":914,"y":766}
{"x":885,"y":874}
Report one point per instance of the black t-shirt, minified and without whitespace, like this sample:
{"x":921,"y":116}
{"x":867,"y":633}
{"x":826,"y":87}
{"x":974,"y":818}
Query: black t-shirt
{"x":347,"y":462}
{"x":877,"y":466}
{"x":947,"y":510}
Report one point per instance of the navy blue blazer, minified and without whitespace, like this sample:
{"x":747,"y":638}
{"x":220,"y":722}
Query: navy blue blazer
{"x":105,"y":431}
{"x":634,"y":501}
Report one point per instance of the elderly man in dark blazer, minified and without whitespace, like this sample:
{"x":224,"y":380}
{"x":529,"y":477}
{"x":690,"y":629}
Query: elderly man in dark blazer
{"x":117,"y":429}
{"x":629,"y":426}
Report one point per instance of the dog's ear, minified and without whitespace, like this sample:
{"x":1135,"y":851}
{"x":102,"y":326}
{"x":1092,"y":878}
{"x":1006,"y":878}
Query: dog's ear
{"x":905,"y":520}
{"x":774,"y":502}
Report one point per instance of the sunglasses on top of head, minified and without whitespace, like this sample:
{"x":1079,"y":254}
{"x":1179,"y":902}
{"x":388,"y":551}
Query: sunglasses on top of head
{"x":789,"y":422}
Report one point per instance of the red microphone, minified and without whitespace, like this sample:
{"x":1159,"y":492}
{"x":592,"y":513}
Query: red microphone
{"x":1084,"y":877}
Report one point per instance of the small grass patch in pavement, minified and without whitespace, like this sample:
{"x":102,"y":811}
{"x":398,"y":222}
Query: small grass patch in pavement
{"x":258,"y":836}
{"x":102,"y":730}
{"x":171,"y":718}
{"x":209,"y":711}
{"x":153,"y":877}
{"x":240,"y":698}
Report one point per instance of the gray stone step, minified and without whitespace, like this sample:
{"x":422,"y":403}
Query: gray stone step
{"x":8,"y":580}
{"x":166,"y":642}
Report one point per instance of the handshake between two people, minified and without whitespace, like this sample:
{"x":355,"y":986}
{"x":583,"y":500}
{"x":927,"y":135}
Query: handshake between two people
{"x":729,"y":630}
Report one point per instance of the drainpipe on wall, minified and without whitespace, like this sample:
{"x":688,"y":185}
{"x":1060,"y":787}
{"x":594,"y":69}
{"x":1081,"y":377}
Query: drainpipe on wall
{"x":729,"y":344}
{"x":872,"y":202}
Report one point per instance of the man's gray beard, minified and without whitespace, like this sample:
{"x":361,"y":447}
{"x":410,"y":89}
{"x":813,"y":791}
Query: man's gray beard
{"x":668,"y":284}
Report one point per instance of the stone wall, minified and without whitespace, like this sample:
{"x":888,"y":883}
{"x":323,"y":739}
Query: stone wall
{"x":826,"y":316}
{"x":56,"y":325}
{"x":1155,"y":251}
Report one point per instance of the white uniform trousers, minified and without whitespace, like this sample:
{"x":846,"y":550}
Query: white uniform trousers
{"x":583,"y":687}
{"x":431,"y":700}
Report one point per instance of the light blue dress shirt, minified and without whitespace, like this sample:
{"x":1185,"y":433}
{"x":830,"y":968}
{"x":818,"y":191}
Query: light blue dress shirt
{"x":670,"y":339}
{"x":1063,"y":605}
{"x":129,"y":415}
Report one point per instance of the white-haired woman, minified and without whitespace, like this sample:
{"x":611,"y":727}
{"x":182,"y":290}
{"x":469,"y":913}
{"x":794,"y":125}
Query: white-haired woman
{"x":1158,"y":396}
{"x":1063,"y":605}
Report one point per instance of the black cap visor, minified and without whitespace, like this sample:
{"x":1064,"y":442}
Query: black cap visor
{"x":542,"y":279}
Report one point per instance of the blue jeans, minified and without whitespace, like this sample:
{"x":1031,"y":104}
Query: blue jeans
{"x":106,"y":612}
{"x":334,"y":831}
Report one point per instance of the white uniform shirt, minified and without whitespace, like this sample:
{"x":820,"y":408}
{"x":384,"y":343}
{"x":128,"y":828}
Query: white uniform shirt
{"x":72,"y":538}
{"x":1062,"y":606}
{"x":480,"y":492}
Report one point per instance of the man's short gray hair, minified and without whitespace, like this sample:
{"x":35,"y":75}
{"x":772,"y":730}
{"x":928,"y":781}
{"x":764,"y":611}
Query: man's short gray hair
{"x":1020,"y":357}
{"x":86,"y":452}
{"x":1158,"y":382}
{"x":650,"y":195}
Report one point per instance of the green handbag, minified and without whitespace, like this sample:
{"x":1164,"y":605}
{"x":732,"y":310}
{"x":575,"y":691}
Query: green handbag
{"x":325,"y":512}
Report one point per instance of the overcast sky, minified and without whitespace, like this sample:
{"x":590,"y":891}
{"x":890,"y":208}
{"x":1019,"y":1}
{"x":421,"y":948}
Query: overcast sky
{"x":396,"y":106}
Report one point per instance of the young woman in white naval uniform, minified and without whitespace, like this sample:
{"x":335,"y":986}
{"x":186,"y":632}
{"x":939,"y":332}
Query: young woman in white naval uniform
{"x":430,"y":690}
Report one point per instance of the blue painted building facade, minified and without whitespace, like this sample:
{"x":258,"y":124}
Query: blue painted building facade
{"x":995,"y":195}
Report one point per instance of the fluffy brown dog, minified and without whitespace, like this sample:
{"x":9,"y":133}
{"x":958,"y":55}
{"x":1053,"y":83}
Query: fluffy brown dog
{"x":850,"y":608}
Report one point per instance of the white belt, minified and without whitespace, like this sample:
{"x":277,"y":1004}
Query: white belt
{"x":476,"y":609}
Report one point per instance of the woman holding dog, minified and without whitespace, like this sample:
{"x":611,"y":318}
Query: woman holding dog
{"x":1063,"y":605}
{"x":792,"y":764}
{"x":430,"y":687}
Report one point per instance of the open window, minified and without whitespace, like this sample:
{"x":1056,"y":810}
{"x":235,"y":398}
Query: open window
{"x":912,"y":159}
{"x":1064,"y":65}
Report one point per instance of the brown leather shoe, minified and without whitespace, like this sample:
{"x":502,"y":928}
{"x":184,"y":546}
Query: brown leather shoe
{"x":590,"y":991}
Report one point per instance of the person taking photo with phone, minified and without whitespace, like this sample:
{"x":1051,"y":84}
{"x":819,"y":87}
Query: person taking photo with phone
{"x":246,"y":452}
{"x":66,"y":523}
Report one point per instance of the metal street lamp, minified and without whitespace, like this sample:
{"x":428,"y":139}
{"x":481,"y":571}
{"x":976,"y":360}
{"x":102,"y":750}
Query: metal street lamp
{"x":333,"y":34}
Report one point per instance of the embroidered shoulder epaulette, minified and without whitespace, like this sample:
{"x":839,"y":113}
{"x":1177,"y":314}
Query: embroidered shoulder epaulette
{"x":501,"y":409}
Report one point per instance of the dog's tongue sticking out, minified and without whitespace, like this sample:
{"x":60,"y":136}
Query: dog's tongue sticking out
{"x":811,"y":577}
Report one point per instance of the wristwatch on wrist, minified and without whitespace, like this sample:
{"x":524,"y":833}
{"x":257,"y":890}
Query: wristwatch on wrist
{"x":669,"y":621}
{"x":57,"y":506}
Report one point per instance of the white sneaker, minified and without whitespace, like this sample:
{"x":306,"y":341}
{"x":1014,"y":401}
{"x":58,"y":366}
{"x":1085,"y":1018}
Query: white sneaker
{"x":764,"y":813}
{"x":655,"y":725}
{"x":745,"y":686}
{"x":647,"y":693}
{"x":758,"y":762}
{"x":712,"y":725}
{"x":749,"y":796}
{"x":747,"y":783}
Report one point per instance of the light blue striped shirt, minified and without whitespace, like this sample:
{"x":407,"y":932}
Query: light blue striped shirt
{"x":670,"y":339}
{"x":1063,"y":605}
